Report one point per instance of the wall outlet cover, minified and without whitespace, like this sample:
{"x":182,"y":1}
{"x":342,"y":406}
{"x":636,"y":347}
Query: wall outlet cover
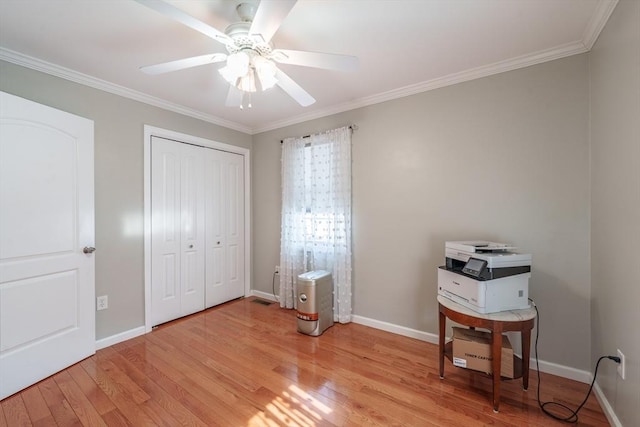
{"x":621,"y":365}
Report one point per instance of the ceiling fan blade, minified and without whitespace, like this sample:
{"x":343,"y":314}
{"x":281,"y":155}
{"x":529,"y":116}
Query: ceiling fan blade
{"x":269,"y":16}
{"x":234,"y":97}
{"x":186,"y":19}
{"x":181,"y":64}
{"x":327,"y":61}
{"x":293,"y":89}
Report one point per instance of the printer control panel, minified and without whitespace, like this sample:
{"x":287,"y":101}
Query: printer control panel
{"x":474,"y":267}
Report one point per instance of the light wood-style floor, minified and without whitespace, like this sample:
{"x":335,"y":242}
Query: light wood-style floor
{"x":244,"y":364}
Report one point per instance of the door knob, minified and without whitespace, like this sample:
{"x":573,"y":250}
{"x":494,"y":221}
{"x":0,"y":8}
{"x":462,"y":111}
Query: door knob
{"x":190,"y":246}
{"x":88,"y":249}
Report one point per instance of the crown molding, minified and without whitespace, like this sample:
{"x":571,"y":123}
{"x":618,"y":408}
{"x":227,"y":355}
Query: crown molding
{"x":604,"y":9}
{"x":451,"y":79}
{"x":86,"y":80}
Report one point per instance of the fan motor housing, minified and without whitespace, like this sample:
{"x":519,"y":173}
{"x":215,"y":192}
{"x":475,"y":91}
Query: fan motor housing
{"x":239,"y":33}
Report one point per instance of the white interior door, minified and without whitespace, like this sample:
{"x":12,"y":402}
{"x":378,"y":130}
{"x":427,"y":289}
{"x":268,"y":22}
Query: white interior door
{"x":225,"y":227}
{"x":177,"y":230}
{"x":47,"y":311}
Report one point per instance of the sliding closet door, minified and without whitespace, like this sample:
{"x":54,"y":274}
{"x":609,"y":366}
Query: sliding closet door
{"x":177,"y":230}
{"x":225,"y":227}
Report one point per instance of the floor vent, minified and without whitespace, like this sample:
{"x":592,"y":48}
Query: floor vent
{"x":261,"y":301}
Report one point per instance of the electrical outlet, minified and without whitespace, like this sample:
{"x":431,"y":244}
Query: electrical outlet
{"x":621,"y":365}
{"x":277,"y":269}
{"x":102,"y":302}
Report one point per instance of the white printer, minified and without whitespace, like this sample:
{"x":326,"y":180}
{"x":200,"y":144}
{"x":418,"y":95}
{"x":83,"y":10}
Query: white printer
{"x":486,"y":277}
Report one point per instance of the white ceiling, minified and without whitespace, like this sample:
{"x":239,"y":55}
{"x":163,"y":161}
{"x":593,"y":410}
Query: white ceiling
{"x":404,"y":47}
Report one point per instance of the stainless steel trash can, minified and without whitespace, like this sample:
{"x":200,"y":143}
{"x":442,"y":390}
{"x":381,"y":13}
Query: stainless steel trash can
{"x":315,"y":302}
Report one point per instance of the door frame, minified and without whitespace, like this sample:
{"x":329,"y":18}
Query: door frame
{"x":150,"y":131}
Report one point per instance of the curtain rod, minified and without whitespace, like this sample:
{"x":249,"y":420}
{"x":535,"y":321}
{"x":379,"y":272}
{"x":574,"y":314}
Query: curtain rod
{"x":352,"y":127}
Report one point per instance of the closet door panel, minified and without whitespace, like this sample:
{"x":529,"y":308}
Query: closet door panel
{"x":234,"y":225}
{"x":165,"y":231}
{"x":225,"y":227}
{"x":192,"y":229}
{"x":215,"y":256}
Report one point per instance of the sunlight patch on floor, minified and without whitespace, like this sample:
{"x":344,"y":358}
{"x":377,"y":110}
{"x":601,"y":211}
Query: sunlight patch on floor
{"x":294,"y":407}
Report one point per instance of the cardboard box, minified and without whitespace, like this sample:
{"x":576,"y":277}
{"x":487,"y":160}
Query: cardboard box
{"x":472,"y":350}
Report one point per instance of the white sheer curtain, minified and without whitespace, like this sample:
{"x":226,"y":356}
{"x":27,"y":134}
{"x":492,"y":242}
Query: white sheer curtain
{"x":316,"y":214}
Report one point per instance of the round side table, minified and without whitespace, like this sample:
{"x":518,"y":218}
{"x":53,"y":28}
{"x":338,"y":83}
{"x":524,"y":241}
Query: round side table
{"x":513,"y":320}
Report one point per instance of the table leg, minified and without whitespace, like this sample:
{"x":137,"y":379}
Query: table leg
{"x":442,"y":320}
{"x":526,"y":356}
{"x":496,"y":353}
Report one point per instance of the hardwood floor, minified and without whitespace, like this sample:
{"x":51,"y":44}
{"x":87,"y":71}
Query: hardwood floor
{"x":244,"y":364}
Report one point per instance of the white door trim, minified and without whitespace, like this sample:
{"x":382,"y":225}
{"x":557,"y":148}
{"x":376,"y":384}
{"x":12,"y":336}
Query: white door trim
{"x":150,"y":131}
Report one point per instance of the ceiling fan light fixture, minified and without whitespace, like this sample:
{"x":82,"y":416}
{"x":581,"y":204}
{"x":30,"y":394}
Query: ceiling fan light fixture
{"x":238,"y":65}
{"x":245,"y":67}
{"x":266,"y":71}
{"x":247,"y":83}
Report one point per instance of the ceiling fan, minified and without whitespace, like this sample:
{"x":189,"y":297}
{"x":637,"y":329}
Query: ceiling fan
{"x":250,"y":62}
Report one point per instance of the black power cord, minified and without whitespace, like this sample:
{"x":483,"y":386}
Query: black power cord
{"x":573,"y":415}
{"x":273,"y":286}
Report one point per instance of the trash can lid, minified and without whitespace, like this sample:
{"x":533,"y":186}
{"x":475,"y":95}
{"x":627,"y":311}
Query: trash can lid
{"x":313,"y":275}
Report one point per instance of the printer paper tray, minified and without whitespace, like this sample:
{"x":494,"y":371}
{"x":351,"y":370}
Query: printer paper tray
{"x":489,"y":296}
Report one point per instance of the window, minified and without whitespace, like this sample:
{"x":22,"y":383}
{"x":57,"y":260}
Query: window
{"x":316,"y":214}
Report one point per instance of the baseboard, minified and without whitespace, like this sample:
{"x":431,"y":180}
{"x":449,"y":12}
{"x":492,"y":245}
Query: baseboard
{"x":562,"y":371}
{"x":396,"y":329}
{"x":606,"y":407}
{"x":547,"y":367}
{"x":263,"y":295}
{"x":118,"y":338}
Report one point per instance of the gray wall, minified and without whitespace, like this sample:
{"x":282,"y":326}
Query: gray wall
{"x":504,"y":158}
{"x":119,"y":203}
{"x":615,"y":206}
